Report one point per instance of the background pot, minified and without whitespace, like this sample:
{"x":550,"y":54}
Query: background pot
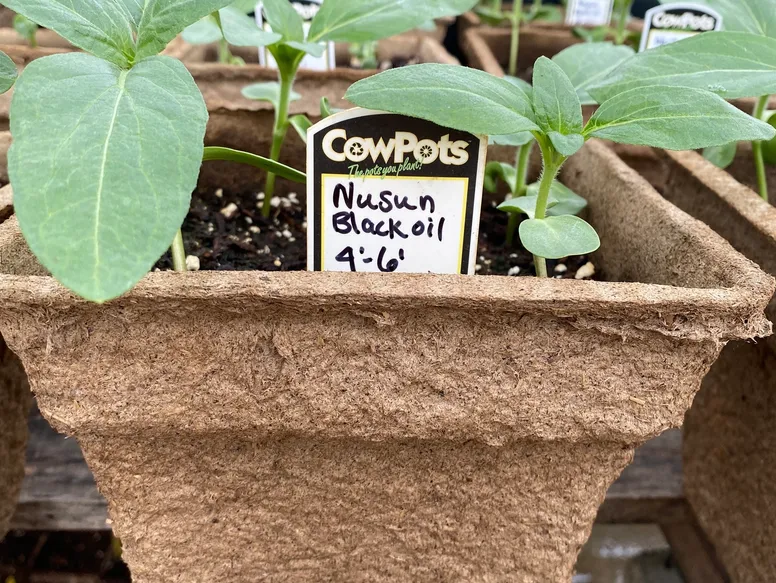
{"x":730,"y":432}
{"x":329,"y":426}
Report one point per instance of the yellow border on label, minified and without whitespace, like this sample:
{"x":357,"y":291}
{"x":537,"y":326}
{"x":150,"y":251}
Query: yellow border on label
{"x":424,"y":178}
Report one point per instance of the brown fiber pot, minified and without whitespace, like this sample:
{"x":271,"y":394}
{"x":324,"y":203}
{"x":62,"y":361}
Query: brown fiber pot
{"x":15,"y":396}
{"x":730,"y":432}
{"x":295,"y":427}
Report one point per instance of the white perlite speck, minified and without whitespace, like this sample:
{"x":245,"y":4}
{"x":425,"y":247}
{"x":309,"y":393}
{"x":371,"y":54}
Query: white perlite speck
{"x":514,"y":271}
{"x":587,"y":270}
{"x":192,"y":263}
{"x":560,"y":268}
{"x":230,"y":210}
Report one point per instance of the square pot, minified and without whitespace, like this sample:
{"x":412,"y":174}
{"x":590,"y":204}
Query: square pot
{"x":361,"y":427}
{"x":730,"y":432}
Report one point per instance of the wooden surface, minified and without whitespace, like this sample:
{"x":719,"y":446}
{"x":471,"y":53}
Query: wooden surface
{"x":59,"y":493}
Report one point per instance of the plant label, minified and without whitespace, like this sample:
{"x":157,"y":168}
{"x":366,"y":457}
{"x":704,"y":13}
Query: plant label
{"x":669,"y":23}
{"x":589,"y":12}
{"x":307,"y":9}
{"x":389,"y":193}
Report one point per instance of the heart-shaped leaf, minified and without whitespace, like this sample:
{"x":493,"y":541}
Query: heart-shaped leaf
{"x":588,"y":63}
{"x":525,"y":205}
{"x":240,"y":30}
{"x":519,"y":139}
{"x":558,"y":237}
{"x":103,"y":164}
{"x":451,"y":96}
{"x":556,"y":106}
{"x":674,"y":118}
{"x":721,"y":156}
{"x":565,"y":201}
{"x":358,"y":21}
{"x":8,"y":72}
{"x":101,"y":27}
{"x":730,"y":64}
{"x":495,"y":171}
{"x":268,"y":91}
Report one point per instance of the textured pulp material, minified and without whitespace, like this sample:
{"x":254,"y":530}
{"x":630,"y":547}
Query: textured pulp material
{"x":15,"y":401}
{"x":730,"y":432}
{"x":294,"y":427}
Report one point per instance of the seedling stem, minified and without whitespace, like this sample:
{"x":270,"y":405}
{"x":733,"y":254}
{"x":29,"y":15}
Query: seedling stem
{"x":178,"y":253}
{"x":551,"y":162}
{"x":757,"y":150}
{"x":519,"y":188}
{"x":517,"y":12}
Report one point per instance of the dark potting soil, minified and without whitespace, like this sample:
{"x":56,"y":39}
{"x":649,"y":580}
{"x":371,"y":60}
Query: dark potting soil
{"x":226,"y":232}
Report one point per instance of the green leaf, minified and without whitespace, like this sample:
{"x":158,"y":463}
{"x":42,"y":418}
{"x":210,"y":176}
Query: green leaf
{"x":163,"y":20}
{"x":101,"y":27}
{"x":721,"y":156}
{"x":587,"y":64}
{"x":754,"y":16}
{"x":591,"y":35}
{"x":552,"y":14}
{"x":301,"y":123}
{"x":240,"y":30}
{"x":25,"y":27}
{"x":8,"y":72}
{"x":284,"y":19}
{"x":314,"y":49}
{"x":229,"y":155}
{"x":556,"y":106}
{"x":730,"y":64}
{"x":103,"y":164}
{"x":558,"y":237}
{"x":519,"y":139}
{"x":364,"y":20}
{"x":326,"y":109}
{"x":524,"y":205}
{"x":203,"y":32}
{"x":490,"y":16}
{"x":564,"y":200}
{"x":245,"y":6}
{"x":495,"y":171}
{"x":525,"y":86}
{"x":674,"y":118}
{"x":268,"y":91}
{"x":451,"y":96}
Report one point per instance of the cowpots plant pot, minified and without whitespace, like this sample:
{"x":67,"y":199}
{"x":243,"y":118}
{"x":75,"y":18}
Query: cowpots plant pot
{"x":730,"y":432}
{"x":352,"y":427}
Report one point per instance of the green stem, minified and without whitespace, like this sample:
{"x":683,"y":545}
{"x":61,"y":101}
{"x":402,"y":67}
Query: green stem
{"x":34,"y":40}
{"x":178,"y":253}
{"x":757,"y":150}
{"x":552,"y":163}
{"x":287,"y":75}
{"x":517,"y":11}
{"x":622,"y":21}
{"x":224,"y":54}
{"x":519,"y":188}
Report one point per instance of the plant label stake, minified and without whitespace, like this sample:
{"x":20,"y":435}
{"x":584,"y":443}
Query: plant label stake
{"x":389,"y":193}
{"x":589,"y":12}
{"x":672,"y":22}
{"x":307,"y":9}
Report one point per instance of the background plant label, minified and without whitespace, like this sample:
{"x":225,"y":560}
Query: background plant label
{"x":389,"y":193}
{"x":589,"y":12}
{"x":672,"y":22}
{"x":307,"y":9}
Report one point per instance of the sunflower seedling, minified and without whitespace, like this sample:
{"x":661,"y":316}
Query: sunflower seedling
{"x":674,"y":118}
{"x":351,"y":21}
{"x":735,"y":63}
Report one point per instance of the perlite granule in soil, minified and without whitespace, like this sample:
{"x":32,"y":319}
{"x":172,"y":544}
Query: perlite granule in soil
{"x":226,"y":232}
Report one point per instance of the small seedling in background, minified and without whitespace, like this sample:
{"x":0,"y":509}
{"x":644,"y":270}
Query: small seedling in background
{"x":493,"y":13}
{"x":618,"y":33}
{"x":352,"y":21}
{"x":584,"y":64}
{"x":735,"y":63}
{"x":230,"y":26}
{"x":675,"y":118}
{"x":26,"y":29}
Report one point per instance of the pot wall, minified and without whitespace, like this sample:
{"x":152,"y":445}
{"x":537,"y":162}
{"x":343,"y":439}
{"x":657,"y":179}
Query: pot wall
{"x":358,"y":427}
{"x":730,"y":432}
